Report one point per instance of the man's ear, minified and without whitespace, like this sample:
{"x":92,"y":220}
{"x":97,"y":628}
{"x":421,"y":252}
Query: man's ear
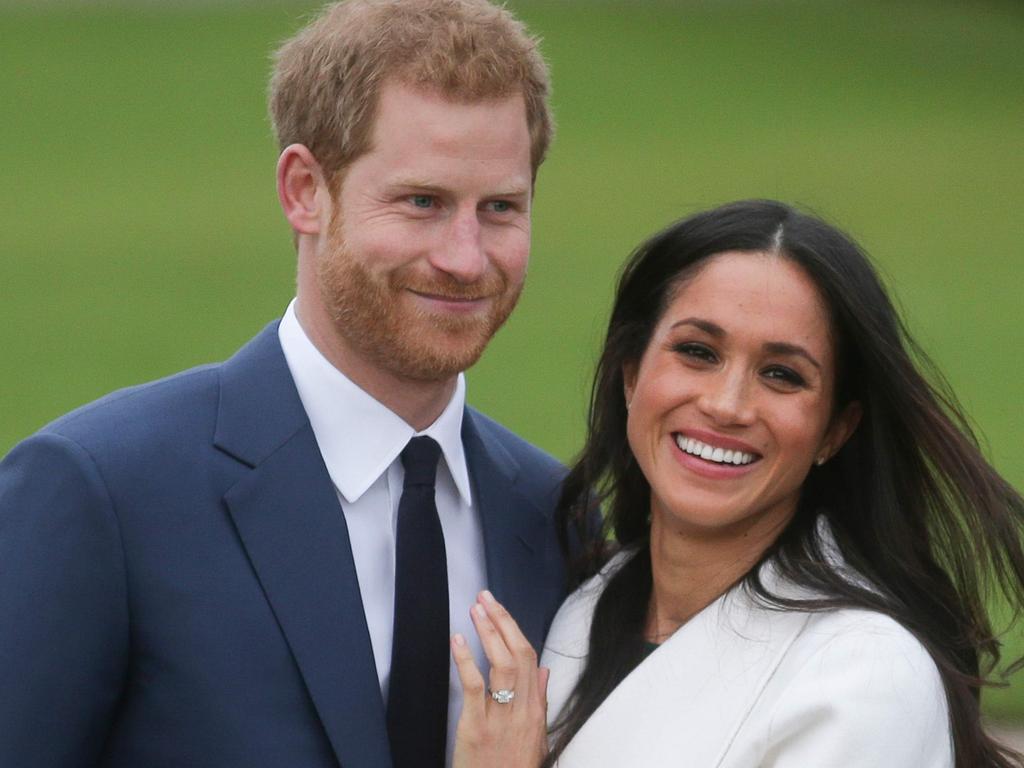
{"x":301,"y":188}
{"x":843,"y":425}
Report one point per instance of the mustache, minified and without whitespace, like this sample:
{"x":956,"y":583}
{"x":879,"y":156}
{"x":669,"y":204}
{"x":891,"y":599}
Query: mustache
{"x":447,"y":287}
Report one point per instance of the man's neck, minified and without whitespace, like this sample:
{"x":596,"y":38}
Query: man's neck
{"x":419,"y":403}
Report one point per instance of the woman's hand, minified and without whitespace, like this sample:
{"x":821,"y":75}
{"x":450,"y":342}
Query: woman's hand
{"x":492,"y":734}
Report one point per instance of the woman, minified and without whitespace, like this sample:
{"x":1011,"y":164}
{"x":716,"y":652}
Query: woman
{"x":806,"y":529}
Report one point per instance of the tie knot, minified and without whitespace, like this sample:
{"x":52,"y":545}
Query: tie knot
{"x":419,"y":458}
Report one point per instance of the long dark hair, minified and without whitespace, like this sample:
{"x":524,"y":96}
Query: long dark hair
{"x":913,"y":505}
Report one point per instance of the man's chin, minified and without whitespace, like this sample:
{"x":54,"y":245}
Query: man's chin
{"x":436,"y":360}
{"x":413,"y":344}
{"x":435,"y":349}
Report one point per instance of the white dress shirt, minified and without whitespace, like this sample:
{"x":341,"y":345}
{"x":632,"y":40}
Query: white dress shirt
{"x":361,"y":442}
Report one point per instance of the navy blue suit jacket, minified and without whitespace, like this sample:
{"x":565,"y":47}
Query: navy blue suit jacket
{"x":177,"y":585}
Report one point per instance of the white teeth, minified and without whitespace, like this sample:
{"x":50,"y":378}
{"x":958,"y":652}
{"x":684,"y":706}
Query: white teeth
{"x":711,"y":453}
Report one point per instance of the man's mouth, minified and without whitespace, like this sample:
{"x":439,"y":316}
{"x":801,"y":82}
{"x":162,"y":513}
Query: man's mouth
{"x":713,"y":453}
{"x":454,"y":298}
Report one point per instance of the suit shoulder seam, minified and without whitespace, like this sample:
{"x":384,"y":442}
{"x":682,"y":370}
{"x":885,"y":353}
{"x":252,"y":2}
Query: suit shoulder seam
{"x":111,"y":506}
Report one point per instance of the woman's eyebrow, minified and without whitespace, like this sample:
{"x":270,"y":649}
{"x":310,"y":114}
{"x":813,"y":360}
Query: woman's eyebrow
{"x":710,"y":328}
{"x":785,"y":348}
{"x":771,"y":347}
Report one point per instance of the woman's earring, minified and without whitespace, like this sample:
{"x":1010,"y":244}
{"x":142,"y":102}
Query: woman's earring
{"x":820,"y":460}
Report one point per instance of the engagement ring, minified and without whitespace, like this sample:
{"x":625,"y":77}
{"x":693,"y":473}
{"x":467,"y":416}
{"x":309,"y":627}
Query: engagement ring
{"x":502,"y":695}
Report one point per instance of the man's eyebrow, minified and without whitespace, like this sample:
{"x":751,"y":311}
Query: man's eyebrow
{"x":771,"y":347}
{"x":413,"y":183}
{"x":511,"y":189}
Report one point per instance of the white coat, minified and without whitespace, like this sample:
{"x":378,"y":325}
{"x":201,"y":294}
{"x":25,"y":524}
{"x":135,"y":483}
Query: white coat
{"x":743,"y":686}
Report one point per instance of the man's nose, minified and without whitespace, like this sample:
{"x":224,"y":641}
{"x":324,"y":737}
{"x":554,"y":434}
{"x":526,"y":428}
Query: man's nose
{"x":462,"y":253}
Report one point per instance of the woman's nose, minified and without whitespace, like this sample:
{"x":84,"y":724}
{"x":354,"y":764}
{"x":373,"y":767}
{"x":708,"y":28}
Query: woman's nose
{"x":727,"y":399}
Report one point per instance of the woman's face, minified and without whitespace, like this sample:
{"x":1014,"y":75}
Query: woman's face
{"x":732,"y":401}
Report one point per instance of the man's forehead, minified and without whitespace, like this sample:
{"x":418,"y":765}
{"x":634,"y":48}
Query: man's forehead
{"x":412,"y":122}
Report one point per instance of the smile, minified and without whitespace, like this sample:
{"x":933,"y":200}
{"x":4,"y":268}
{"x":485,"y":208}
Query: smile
{"x":450,"y":303}
{"x":450,"y":298}
{"x":443,"y":297}
{"x":713,"y":453}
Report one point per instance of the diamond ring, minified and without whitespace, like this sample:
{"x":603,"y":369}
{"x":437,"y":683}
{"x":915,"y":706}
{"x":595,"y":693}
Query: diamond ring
{"x":502,"y":695}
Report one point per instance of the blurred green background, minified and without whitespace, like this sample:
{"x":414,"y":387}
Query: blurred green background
{"x":140,"y":233}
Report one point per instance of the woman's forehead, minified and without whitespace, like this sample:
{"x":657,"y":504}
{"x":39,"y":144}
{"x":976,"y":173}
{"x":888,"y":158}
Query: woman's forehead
{"x":756,"y":293}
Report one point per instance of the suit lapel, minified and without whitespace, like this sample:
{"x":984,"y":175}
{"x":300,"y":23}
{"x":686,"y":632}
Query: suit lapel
{"x":513,"y":529}
{"x":288,"y":517}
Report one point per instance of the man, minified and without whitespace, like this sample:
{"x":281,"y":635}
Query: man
{"x":217,"y":569}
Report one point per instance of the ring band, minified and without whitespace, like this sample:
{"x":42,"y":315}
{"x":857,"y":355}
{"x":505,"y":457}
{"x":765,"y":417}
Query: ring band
{"x":502,"y":695}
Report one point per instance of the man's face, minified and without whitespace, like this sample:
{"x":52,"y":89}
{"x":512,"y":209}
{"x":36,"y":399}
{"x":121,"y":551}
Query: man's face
{"x":429,"y":238}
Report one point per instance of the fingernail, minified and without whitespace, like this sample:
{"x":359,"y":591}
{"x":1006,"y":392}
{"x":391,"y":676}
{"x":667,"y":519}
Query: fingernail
{"x":480,"y":611}
{"x":488,"y":596}
{"x":458,"y":639}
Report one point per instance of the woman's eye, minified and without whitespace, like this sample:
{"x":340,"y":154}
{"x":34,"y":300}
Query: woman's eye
{"x":788,"y":376}
{"x":422,"y":201}
{"x":696,"y":352}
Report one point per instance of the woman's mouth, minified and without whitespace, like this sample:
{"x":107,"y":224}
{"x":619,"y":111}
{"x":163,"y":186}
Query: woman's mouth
{"x":714,"y":453}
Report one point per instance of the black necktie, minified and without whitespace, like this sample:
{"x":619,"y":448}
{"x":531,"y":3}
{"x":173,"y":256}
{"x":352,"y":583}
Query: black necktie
{"x":418,"y":688}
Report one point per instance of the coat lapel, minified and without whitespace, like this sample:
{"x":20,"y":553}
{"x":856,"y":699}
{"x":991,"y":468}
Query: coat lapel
{"x":688,"y":700}
{"x":513,"y":529}
{"x":288,"y":517}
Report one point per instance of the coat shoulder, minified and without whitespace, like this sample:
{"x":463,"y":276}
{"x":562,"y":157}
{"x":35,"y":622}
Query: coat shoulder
{"x":875,"y":649}
{"x":856,"y":682}
{"x":142,"y":414}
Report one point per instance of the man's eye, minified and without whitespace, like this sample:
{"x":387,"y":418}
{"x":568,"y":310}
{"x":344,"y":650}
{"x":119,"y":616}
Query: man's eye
{"x":784,"y":375}
{"x":422,"y":201}
{"x":501,"y":206}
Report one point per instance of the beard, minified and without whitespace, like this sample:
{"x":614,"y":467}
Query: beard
{"x":377,"y":315}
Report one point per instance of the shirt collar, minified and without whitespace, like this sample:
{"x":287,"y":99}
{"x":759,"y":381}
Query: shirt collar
{"x":358,"y":436}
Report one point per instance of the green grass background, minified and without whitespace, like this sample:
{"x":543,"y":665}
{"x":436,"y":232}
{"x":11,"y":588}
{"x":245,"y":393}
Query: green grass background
{"x":140,"y":234}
